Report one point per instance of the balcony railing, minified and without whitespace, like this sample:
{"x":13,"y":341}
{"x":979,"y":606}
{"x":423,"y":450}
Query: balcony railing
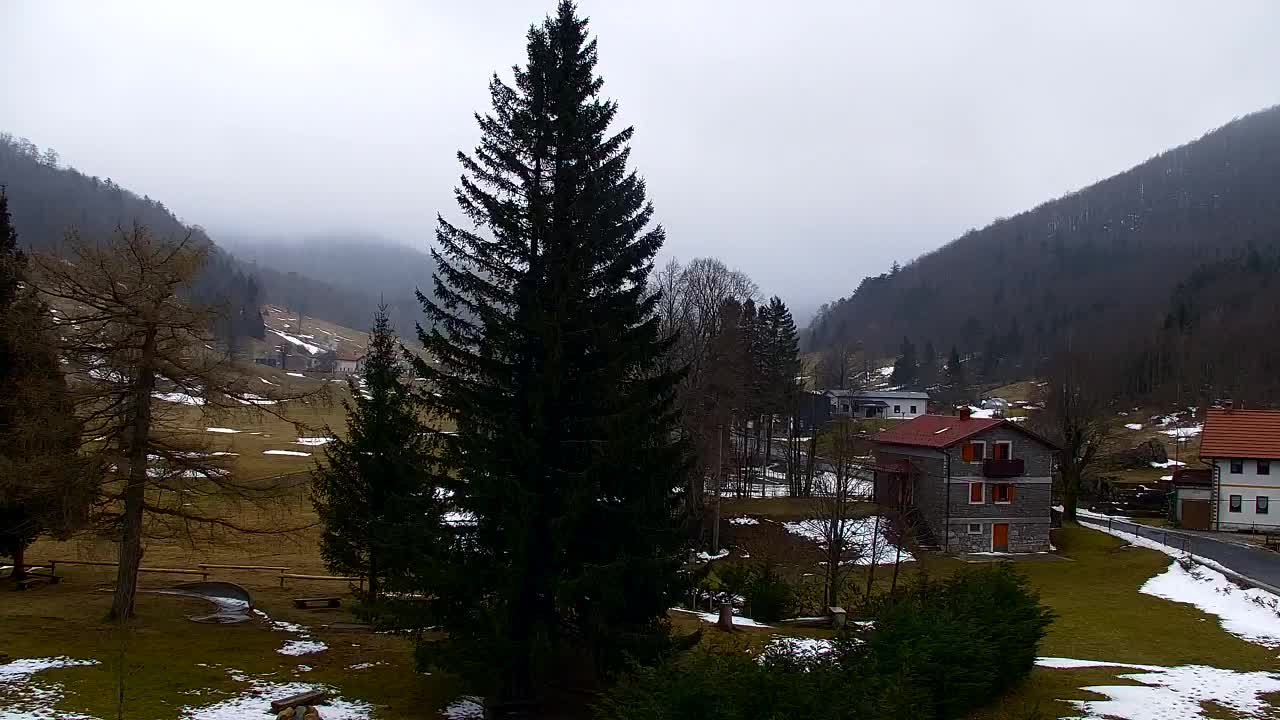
{"x":1003,"y":468}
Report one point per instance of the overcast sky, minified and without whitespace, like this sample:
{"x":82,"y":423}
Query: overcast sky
{"x":807,"y":143}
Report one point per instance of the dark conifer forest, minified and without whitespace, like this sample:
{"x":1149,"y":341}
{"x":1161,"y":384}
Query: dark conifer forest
{"x":1170,"y":267}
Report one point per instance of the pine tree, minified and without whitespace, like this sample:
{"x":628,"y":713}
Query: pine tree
{"x":374,"y":491}
{"x":928,"y":370}
{"x":547,"y":358}
{"x":905,"y":368}
{"x":45,"y":484}
{"x":955,"y":369}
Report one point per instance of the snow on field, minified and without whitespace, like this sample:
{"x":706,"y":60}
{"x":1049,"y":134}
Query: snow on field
{"x":714,"y":618}
{"x":799,"y":645}
{"x":222,"y":430}
{"x":268,"y":382}
{"x":302,"y":647}
{"x":1252,"y":614}
{"x":314,"y":440}
{"x":364,"y":665}
{"x":22,"y":697}
{"x":859,"y":533}
{"x":293,"y":453}
{"x":705,"y":556}
{"x":251,"y":399}
{"x":467,"y":707}
{"x":886,"y":371}
{"x":178,"y":397}
{"x":1184,"y":432}
{"x":260,"y":694}
{"x":980,"y":414}
{"x":744,"y":521}
{"x":1172,"y":692}
{"x":313,"y":349}
{"x":294,"y":374}
{"x":1167,"y":464}
{"x":1133,"y":426}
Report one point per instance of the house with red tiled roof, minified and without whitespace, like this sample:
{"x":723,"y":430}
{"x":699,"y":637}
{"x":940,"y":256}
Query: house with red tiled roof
{"x":977,"y":484}
{"x":1243,"y":449}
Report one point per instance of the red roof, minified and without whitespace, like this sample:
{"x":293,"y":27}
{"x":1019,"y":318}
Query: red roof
{"x":936,"y":431}
{"x":1240,"y":433}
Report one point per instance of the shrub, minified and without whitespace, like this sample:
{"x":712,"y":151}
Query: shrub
{"x":769,"y":597}
{"x":938,"y":650}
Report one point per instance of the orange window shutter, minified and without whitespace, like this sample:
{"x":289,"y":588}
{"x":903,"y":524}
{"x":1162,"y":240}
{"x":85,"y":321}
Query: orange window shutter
{"x":1012,"y":492}
{"x":966,"y":452}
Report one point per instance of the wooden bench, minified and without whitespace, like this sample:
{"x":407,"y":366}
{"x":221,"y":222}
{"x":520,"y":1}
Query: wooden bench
{"x":294,"y":576}
{"x":310,"y":697}
{"x":324,"y":602}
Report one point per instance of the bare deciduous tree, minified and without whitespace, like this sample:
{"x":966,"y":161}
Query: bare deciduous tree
{"x":1078,"y":417}
{"x":836,"y":494}
{"x":139,"y":357}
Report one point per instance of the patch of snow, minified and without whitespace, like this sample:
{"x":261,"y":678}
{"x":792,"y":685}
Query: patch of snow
{"x":251,"y":399}
{"x":858,"y":535}
{"x":886,"y":371}
{"x":222,"y":430}
{"x":304,"y":668}
{"x":260,"y":694}
{"x":268,"y":382}
{"x":1184,"y":432}
{"x":302,"y":647}
{"x":744,"y":521}
{"x":799,"y":645}
{"x":1133,"y":426}
{"x":313,"y":349}
{"x":293,"y":453}
{"x":457,"y":517}
{"x":314,"y":440}
{"x":178,"y":397}
{"x":704,"y":555}
{"x":714,"y":618}
{"x":467,"y":707}
{"x":364,"y":665}
{"x":294,"y":374}
{"x":1173,"y":692}
{"x":1167,"y":464}
{"x":24,"y":698}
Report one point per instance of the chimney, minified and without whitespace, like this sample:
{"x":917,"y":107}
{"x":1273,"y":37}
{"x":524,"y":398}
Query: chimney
{"x":1228,"y":405}
{"x":964,"y":413}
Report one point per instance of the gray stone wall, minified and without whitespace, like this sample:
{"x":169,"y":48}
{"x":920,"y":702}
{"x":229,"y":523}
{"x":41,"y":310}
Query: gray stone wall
{"x":1037,"y":458}
{"x":1024,"y":537}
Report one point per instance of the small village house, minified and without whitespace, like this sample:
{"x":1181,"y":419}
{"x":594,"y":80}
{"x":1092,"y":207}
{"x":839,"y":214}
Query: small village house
{"x":1190,"y":498}
{"x":873,"y":404}
{"x":977,"y":484}
{"x":1242,"y":447}
{"x":347,"y":363}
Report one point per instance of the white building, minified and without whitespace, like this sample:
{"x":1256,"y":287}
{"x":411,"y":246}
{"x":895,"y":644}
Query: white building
{"x":1243,"y":449}
{"x":890,"y":404}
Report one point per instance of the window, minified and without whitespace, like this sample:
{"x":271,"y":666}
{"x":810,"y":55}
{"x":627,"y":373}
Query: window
{"x":976,"y":494}
{"x":1260,"y":504}
{"x":975,"y":529}
{"x":897,"y":409}
{"x":913,"y":409}
{"x":1264,"y":467}
{"x":1233,"y":503}
{"x":1002,"y":450}
{"x":1002,"y":493}
{"x":974,"y":451}
{"x":1237,"y":467}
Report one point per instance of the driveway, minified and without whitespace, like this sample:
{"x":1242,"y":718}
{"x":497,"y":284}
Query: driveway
{"x":1245,"y":558}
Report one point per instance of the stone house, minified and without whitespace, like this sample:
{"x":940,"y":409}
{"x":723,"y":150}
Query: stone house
{"x":978,"y":484}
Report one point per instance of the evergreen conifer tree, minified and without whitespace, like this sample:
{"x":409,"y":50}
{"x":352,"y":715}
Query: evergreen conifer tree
{"x":546,"y":350}
{"x":45,"y":484}
{"x":905,"y":368}
{"x":374,"y":491}
{"x":955,"y":370}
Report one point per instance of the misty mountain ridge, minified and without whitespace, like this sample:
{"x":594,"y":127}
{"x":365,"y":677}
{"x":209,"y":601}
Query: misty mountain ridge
{"x":1113,"y":265}
{"x":363,"y":268}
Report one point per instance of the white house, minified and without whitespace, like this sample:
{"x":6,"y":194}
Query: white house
{"x":347,"y":363}
{"x":1243,"y":449}
{"x":890,"y":404}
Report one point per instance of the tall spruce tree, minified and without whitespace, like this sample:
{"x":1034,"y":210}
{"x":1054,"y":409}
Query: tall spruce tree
{"x":45,"y":484}
{"x":905,"y":368}
{"x":546,"y":355}
{"x":955,"y":369}
{"x":374,"y":490}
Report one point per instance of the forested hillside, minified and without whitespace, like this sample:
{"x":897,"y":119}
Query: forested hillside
{"x":340,"y":277}
{"x":48,"y":200}
{"x":1170,"y":265}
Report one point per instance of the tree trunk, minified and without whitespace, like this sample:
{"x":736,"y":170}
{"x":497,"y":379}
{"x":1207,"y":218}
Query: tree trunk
{"x":136,"y":489}
{"x":768,"y":444}
{"x":871,"y":566}
{"x":808,"y":473}
{"x":374,"y":585}
{"x":19,"y":562}
{"x":1070,"y":494}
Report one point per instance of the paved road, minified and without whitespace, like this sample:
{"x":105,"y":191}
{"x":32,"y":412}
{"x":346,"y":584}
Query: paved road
{"x":1250,"y":560}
